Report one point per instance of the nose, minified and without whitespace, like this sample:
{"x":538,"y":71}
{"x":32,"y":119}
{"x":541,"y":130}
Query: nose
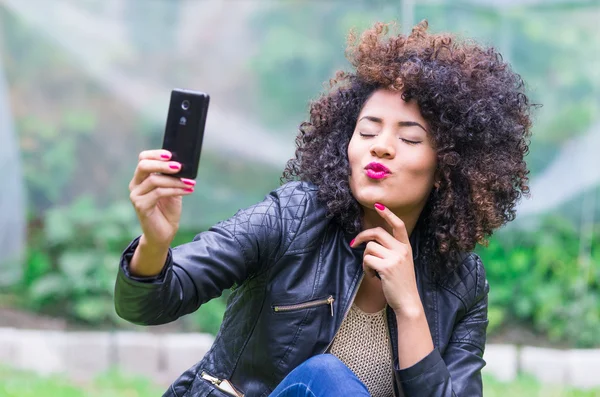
{"x":383,"y":147}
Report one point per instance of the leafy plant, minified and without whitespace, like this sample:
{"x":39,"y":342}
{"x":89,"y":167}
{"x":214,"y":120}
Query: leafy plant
{"x":73,"y":258}
{"x":72,"y":264}
{"x":537,"y":277}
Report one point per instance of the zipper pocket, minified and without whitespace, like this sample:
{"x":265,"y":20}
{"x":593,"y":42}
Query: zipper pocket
{"x":222,"y":384}
{"x":347,"y":310}
{"x":287,"y":308}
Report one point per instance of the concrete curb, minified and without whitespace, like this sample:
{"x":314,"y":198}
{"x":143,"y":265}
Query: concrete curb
{"x":163,"y":357}
{"x":578,"y":368}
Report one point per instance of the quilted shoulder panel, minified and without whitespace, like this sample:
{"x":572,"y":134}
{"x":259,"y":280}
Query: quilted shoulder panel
{"x":308,"y":219}
{"x":279,"y":221}
{"x":294,"y":198}
{"x":467,"y":281}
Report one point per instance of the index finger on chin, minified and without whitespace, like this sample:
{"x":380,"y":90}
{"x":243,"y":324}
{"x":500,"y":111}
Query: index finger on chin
{"x":394,"y":221}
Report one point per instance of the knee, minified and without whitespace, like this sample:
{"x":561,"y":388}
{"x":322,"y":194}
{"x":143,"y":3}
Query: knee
{"x":328,"y":376}
{"x":323,"y":363}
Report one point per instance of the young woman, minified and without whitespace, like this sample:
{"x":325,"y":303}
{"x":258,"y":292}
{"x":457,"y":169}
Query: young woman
{"x":355,"y":277}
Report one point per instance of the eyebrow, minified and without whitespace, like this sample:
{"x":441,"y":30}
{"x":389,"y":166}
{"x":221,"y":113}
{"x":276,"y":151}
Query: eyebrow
{"x":400,"y":123}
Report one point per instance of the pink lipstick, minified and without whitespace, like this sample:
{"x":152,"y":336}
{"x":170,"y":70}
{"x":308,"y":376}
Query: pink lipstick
{"x":377,"y":171}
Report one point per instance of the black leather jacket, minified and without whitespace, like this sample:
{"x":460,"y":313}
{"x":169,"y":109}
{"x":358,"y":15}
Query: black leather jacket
{"x":294,"y":278}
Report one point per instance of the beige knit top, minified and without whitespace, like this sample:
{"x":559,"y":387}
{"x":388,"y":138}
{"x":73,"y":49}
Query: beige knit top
{"x":363,"y":344}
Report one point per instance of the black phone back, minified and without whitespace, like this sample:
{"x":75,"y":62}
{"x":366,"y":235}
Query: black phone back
{"x":184,"y":130}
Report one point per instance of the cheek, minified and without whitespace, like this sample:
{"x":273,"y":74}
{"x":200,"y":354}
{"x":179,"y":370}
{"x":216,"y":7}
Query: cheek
{"x":424,"y":168}
{"x":353,"y":153}
{"x":417,"y":166}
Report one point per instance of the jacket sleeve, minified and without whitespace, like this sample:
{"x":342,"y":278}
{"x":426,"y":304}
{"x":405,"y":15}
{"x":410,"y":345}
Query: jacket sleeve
{"x":196,"y":272}
{"x":458,"y":371}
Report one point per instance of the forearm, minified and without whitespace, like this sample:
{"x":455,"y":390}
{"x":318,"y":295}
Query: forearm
{"x":414,"y":337}
{"x":148,"y":259}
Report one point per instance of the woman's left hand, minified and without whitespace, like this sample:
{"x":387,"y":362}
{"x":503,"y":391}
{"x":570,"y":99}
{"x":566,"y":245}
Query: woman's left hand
{"x":390,"y":255}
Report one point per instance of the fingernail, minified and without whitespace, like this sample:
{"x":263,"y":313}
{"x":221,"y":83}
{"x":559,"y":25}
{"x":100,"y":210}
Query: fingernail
{"x":190,"y":182}
{"x":189,"y":189}
{"x":165,"y":156}
{"x":380,"y":207}
{"x":352,"y":242}
{"x":174,"y":166}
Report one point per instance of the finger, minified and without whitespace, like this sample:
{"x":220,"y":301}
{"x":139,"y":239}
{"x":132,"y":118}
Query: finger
{"x":377,"y":250}
{"x":146,"y":167}
{"x":154,"y":181}
{"x":377,"y":234}
{"x":396,"y":223}
{"x":372,"y":265}
{"x":147,"y":201}
{"x":157,"y":154}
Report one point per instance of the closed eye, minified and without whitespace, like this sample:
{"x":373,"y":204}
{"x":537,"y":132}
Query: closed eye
{"x":402,"y":139}
{"x":366,"y":135}
{"x":410,"y":142}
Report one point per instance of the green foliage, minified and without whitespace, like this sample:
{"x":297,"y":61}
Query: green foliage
{"x":49,"y":152}
{"x":210,"y":315}
{"x":72,"y":263}
{"x":73,"y":257}
{"x":537,"y":277}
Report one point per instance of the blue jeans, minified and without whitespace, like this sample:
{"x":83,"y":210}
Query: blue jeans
{"x":319,"y":376}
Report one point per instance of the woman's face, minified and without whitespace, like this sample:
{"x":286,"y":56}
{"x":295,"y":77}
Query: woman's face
{"x":391,"y":158}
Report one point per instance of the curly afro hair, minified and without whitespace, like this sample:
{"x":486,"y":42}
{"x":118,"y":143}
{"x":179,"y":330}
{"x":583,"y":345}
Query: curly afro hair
{"x":479,"y":118}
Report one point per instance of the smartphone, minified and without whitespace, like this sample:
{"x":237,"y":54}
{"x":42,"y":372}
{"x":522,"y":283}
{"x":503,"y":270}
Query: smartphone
{"x":184,"y":130}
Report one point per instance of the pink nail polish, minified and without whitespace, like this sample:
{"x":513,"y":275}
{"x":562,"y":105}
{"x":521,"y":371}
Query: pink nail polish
{"x":190,"y":182}
{"x":352,"y":242}
{"x":189,"y":189}
{"x":380,"y":207}
{"x":165,"y":156}
{"x":174,"y":166}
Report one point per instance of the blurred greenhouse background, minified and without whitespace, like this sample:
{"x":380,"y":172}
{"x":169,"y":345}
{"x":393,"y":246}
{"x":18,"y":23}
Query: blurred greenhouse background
{"x":84,"y":87}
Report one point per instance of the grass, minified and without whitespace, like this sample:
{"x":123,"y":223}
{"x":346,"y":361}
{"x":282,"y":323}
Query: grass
{"x":528,"y":386}
{"x":15,"y":383}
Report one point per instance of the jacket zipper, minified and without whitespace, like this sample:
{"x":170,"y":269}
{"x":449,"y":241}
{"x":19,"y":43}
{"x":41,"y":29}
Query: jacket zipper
{"x":387,"y":324}
{"x":215,"y":381}
{"x":347,"y":310}
{"x":286,"y":308}
{"x":346,"y":313}
{"x":222,"y":384}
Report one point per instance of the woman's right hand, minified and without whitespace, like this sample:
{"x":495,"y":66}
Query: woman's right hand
{"x":157,"y":198}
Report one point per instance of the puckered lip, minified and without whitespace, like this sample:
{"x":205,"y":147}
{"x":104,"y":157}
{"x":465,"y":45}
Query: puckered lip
{"x":378,"y":167}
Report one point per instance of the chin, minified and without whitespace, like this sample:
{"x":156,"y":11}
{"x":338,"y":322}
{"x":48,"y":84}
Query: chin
{"x":367,"y":196}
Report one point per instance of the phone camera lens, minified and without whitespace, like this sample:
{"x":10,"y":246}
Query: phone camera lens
{"x":185,"y":105}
